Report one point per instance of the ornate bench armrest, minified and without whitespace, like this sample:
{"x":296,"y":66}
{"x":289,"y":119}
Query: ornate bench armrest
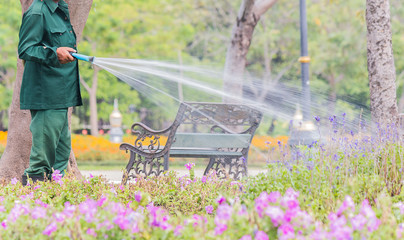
{"x":148,"y":140}
{"x":143,"y":128}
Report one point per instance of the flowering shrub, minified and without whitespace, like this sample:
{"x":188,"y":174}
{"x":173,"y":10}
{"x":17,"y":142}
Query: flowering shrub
{"x":42,"y":211}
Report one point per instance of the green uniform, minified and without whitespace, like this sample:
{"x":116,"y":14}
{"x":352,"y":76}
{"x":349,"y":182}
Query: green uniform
{"x":48,"y":87}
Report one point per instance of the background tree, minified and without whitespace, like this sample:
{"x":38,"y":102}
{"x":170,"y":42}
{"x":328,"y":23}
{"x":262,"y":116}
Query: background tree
{"x":16,"y":155}
{"x":381,"y":68}
{"x":247,"y":18}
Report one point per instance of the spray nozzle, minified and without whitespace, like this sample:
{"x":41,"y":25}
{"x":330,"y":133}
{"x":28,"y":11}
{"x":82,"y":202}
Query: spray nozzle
{"x":82,"y":57}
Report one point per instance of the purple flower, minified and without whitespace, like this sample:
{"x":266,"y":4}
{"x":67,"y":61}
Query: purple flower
{"x":14,"y":181}
{"x":261,"y":235}
{"x":50,"y":229}
{"x":209,"y":209}
{"x":4,"y":224}
{"x":138,"y":196}
{"x":2,"y":208}
{"x":317,"y":118}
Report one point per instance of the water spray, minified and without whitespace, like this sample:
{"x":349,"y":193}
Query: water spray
{"x":82,"y":57}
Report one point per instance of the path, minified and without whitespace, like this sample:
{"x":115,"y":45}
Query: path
{"x":116,"y":175}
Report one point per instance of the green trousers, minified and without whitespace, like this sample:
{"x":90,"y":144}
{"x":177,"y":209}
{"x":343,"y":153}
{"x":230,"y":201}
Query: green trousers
{"x":51,"y":142}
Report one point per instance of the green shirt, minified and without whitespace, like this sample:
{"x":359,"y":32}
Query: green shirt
{"x":46,"y":83}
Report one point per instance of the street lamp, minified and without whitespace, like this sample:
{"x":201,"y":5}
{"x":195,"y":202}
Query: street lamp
{"x":115,"y":120}
{"x":303,"y":130}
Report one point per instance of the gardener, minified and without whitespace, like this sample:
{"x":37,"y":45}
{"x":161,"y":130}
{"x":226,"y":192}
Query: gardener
{"x":50,"y":84}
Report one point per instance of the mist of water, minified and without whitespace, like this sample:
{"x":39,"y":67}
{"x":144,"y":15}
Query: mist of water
{"x":160,"y":82}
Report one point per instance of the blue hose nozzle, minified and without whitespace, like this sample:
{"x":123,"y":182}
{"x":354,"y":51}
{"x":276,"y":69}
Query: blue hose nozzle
{"x":82,"y":57}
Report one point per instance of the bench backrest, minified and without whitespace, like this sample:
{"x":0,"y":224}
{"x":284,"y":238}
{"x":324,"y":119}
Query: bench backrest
{"x":237,"y":121}
{"x":224,"y":115}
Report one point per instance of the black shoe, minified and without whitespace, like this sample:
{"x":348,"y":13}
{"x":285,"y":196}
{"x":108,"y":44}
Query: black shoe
{"x":34,"y":179}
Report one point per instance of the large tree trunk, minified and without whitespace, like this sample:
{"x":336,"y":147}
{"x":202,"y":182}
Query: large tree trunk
{"x":15,"y":158}
{"x":247,"y":18}
{"x":382,"y":73}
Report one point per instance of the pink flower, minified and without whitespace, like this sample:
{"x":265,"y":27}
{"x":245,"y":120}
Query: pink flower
{"x":204,"y":179}
{"x":40,"y":203}
{"x":274,"y":197}
{"x":199,"y":220}
{"x":220,"y":228}
{"x":178,"y":230}
{"x":69,"y":210}
{"x":348,"y":204}
{"x":4,"y":224}
{"x":14,"y":181}
{"x":59,"y":217}
{"x":246,"y":237}
{"x":57,"y":177}
{"x":138,"y":196}
{"x":209,"y":209}
{"x":223,"y":212}
{"x":50,"y":229}
{"x":101,"y":201}
{"x":358,"y":222}
{"x":221,"y":200}
{"x":91,"y":232}
{"x":189,"y":166}
{"x":276,"y":214}
{"x":2,"y":208}
{"x":122,"y":222}
{"x":286,"y":231}
{"x":89,"y":209}
{"x":38,"y":212}
{"x":261,"y":235}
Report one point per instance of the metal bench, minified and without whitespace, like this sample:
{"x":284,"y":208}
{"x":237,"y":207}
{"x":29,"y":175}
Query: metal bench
{"x":218,"y":131}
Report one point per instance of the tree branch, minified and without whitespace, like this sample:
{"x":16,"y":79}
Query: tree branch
{"x":261,"y":6}
{"x":85,"y":84}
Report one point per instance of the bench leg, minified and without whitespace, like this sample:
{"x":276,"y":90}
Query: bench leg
{"x":228,"y":167}
{"x":142,"y":166}
{"x":129,"y":166}
{"x":166,"y":158}
{"x":210,"y":165}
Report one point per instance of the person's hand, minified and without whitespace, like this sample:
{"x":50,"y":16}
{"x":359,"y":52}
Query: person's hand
{"x":64,"y":54}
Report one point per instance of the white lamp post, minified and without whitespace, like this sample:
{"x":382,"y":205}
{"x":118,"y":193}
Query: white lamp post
{"x":115,"y":120}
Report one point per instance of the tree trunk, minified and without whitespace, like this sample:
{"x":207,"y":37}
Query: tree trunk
{"x":93,"y":103}
{"x":381,"y":69}
{"x":248,"y":17}
{"x":15,"y":158}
